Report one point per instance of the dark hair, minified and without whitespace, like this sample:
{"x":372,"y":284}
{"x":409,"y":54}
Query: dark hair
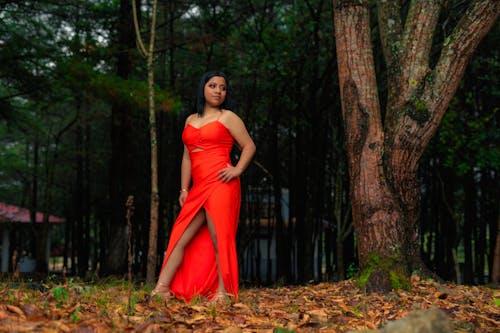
{"x":200,"y":96}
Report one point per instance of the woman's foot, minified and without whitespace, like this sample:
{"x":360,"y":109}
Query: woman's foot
{"x":219,"y":298}
{"x":161,"y":290}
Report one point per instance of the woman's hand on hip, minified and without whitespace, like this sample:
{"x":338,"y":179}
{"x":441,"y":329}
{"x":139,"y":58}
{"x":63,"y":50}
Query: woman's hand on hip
{"x":229,"y":173}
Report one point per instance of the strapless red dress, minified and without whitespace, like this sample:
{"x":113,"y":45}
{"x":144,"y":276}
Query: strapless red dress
{"x":209,"y":147}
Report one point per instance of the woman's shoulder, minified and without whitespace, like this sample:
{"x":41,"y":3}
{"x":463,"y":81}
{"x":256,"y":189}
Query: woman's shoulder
{"x":190,"y":118}
{"x":229,"y":115}
{"x":231,"y":120}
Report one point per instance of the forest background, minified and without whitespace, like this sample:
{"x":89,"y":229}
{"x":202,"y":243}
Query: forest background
{"x":74,"y":135}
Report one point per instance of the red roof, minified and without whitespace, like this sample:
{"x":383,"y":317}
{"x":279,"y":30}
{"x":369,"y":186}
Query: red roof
{"x":11,"y":213}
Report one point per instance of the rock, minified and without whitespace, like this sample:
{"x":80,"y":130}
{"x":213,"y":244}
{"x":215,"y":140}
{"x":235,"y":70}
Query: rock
{"x":432,"y":321}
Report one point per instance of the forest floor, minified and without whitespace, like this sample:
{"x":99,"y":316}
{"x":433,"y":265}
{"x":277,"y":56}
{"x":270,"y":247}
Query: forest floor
{"x":74,"y":306}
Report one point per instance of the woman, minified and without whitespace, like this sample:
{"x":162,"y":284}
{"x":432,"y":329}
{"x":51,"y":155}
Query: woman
{"x":201,"y":255}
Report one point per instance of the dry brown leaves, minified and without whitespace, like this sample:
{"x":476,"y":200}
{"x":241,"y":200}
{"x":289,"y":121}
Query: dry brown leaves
{"x":325,"y":307}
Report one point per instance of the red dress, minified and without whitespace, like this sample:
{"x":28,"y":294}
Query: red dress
{"x":197,"y":274}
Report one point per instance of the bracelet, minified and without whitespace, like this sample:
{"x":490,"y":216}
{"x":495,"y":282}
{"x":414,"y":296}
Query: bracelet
{"x":183,"y":190}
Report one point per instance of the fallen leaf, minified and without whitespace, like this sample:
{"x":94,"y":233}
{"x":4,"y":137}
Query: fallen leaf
{"x":319,"y":315}
{"x":16,"y":310}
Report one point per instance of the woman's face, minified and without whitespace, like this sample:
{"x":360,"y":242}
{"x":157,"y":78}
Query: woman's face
{"x":215,"y":91}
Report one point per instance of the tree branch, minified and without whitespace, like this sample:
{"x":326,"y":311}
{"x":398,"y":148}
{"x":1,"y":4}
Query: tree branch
{"x":424,"y":109}
{"x":408,"y":78}
{"x":389,"y":21}
{"x":416,"y":44}
{"x":456,"y":54}
{"x":140,"y":44}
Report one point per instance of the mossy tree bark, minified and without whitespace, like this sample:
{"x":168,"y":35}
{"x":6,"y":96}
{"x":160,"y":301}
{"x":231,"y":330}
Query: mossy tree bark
{"x":384,"y":154}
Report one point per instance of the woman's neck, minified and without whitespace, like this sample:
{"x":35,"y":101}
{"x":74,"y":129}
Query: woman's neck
{"x":208,"y":111}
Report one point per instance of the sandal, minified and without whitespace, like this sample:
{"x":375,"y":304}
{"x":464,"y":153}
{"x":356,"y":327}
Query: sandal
{"x":161,"y":290}
{"x":219,"y":298}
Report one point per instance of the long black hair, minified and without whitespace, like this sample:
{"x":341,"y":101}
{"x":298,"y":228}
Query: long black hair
{"x":200,"y":95}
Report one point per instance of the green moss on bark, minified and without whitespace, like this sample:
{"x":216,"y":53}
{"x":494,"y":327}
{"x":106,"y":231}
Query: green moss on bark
{"x":417,"y":110}
{"x":382,"y":274}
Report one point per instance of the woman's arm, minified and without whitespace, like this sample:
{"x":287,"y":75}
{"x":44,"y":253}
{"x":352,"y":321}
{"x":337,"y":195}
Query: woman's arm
{"x":185,"y":170}
{"x":185,"y":173}
{"x":240,"y":134}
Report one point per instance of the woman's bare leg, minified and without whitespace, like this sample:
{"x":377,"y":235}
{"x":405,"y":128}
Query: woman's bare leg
{"x":175,"y":258}
{"x":221,"y":289}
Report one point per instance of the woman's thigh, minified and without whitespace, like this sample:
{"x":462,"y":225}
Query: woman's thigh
{"x":192,"y":229}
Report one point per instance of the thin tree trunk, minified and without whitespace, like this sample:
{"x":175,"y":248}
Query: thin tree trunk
{"x":78,"y":203}
{"x":490,"y":213}
{"x":495,"y":270}
{"x":271,"y":225}
{"x":469,"y":227}
{"x":480,"y":249}
{"x":34,"y":187}
{"x":86,"y":195}
{"x":153,"y":227}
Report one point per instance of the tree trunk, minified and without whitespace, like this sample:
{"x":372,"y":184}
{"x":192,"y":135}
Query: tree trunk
{"x":495,"y":270}
{"x":87,"y":197}
{"x":34,"y":188}
{"x":154,"y":204}
{"x":383,"y":159}
{"x":153,"y":229}
{"x":490,"y":217}
{"x":81,"y":244}
{"x":376,"y":212}
{"x":469,"y":227}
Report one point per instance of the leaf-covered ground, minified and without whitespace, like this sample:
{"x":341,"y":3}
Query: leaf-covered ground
{"x":327,"y":307}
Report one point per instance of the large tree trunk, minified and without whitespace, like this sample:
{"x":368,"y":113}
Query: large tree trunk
{"x":384,"y":158}
{"x":376,"y":212}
